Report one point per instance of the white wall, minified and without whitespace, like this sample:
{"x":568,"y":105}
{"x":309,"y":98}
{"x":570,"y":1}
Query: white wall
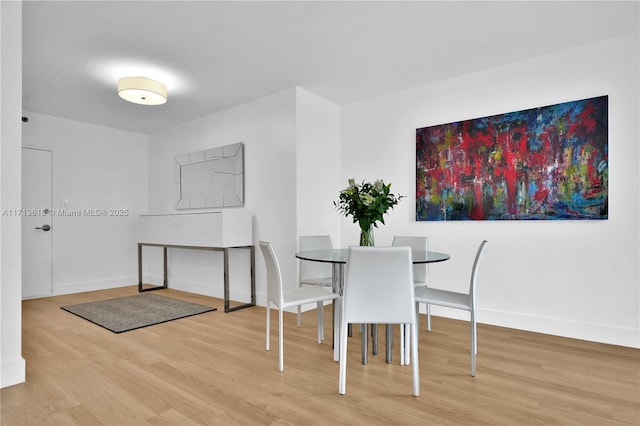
{"x":571,"y":278}
{"x":12,"y":365}
{"x":94,"y":167}
{"x":266,"y":126}
{"x":318,"y":165}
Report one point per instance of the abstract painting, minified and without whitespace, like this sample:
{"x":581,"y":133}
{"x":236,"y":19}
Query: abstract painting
{"x":544,"y":163}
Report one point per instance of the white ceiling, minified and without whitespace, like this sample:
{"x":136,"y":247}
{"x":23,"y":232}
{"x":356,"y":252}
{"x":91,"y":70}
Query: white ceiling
{"x":213,"y":55}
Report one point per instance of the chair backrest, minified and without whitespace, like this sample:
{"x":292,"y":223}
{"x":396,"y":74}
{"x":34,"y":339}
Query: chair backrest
{"x":379,"y":286}
{"x":420,"y":270}
{"x":310,"y":269}
{"x":473,"y":285}
{"x":274,"y":277}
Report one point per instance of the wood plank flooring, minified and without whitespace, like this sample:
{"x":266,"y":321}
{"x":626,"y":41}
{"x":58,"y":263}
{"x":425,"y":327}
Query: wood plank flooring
{"x":212,"y":369}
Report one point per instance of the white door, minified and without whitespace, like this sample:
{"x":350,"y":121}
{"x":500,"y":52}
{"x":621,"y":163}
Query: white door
{"x":37,"y":223}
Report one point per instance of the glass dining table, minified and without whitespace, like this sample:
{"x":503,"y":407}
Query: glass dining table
{"x":338,"y":259}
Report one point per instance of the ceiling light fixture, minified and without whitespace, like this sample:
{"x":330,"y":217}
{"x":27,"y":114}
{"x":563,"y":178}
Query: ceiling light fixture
{"x":141,"y":90}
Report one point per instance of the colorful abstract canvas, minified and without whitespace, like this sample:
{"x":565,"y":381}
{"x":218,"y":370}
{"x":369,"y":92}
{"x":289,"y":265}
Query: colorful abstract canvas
{"x":544,"y":163}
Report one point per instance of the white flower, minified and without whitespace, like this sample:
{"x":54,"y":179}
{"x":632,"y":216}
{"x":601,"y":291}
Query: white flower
{"x":367,"y":199}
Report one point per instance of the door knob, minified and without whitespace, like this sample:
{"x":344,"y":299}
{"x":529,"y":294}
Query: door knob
{"x":44,"y":227}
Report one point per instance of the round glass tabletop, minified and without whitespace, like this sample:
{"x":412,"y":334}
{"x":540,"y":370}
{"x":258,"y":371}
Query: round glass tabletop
{"x":340,"y":256}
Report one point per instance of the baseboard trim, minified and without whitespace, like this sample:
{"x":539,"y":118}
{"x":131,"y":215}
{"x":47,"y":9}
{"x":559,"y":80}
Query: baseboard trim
{"x":80,"y":287}
{"x":593,"y":332}
{"x":13,"y":372}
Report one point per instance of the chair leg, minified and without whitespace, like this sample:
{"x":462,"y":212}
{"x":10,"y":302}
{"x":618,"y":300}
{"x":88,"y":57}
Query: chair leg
{"x":337,"y":324}
{"x":268,"y":322}
{"x":320,"y":305}
{"x":474,"y":344}
{"x":342,"y":382}
{"x":414,"y":353}
{"x":407,"y":339}
{"x":428,"y":317}
{"x":364,"y":333}
{"x":402,"y":344}
{"x":280,"y":341}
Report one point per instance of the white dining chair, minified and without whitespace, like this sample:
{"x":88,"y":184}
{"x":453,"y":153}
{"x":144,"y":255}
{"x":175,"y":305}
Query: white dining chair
{"x":314,"y":273}
{"x":378,"y":289}
{"x":420,"y":278}
{"x":464,"y":301}
{"x":420,"y":270}
{"x":283,"y":299}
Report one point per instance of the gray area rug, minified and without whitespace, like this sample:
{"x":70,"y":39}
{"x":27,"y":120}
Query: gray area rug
{"x":133,"y":312}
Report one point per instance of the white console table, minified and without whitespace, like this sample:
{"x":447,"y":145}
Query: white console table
{"x":213,"y":231}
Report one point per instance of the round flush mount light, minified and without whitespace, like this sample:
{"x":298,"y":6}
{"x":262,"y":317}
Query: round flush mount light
{"x":142,"y":90}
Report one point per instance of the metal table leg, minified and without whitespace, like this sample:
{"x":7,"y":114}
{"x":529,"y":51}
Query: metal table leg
{"x":336,"y":287}
{"x":364,"y":332}
{"x":389,"y":341}
{"x":165,"y":281}
{"x":227,"y":306}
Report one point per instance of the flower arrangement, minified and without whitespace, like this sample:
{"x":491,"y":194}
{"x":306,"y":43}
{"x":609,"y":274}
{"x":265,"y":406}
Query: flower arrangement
{"x":366,"y":203}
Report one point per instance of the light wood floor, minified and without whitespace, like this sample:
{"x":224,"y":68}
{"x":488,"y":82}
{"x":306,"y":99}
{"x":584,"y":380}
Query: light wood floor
{"x":213,"y":369}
